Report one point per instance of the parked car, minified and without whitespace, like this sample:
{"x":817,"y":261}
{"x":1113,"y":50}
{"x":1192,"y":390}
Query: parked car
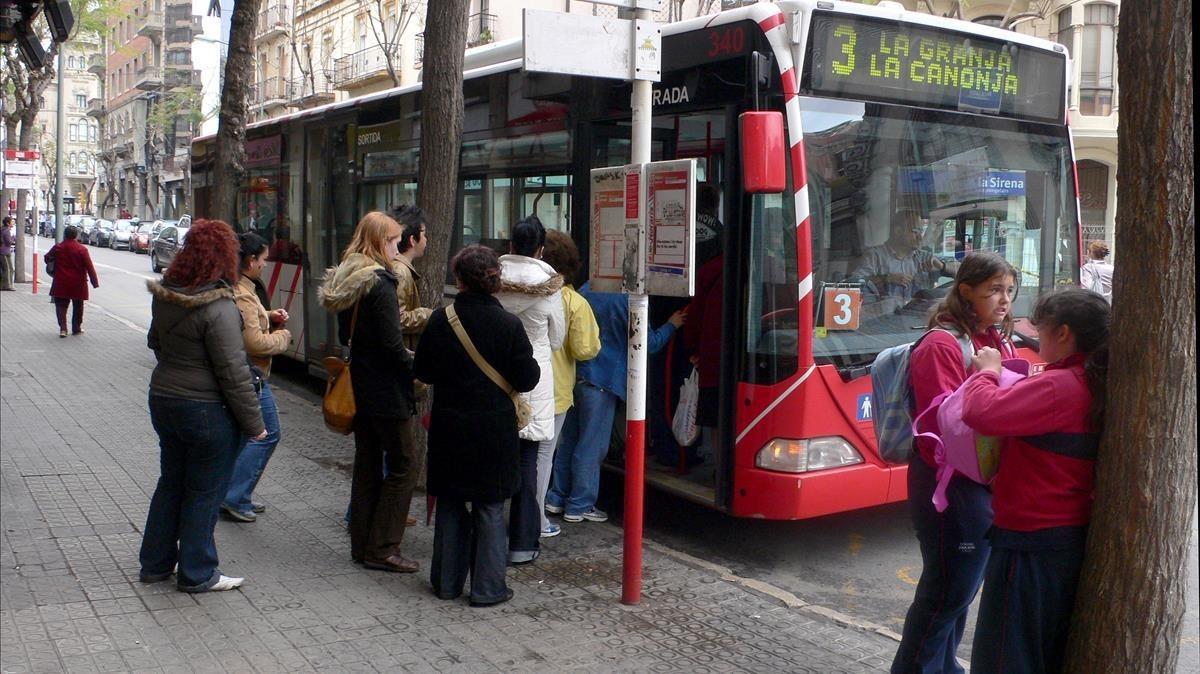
{"x":74,"y":220}
{"x":140,"y":243}
{"x":122,"y":236}
{"x":101,"y":233}
{"x":163,"y":249}
{"x":46,"y":226}
{"x":86,"y":225}
{"x":158,"y":225}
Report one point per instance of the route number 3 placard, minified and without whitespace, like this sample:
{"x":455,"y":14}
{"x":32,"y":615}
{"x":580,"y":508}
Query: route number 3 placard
{"x":842,"y":308}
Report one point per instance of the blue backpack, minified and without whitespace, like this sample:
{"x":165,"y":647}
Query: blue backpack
{"x":892,"y":396}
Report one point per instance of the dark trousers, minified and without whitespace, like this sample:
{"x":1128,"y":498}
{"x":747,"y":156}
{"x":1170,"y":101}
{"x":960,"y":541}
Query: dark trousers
{"x":379,"y":505}
{"x":60,"y":308}
{"x":1025,"y":610}
{"x":474,"y":543}
{"x":524,"y":520}
{"x":954,"y":553}
{"x":198,"y":443}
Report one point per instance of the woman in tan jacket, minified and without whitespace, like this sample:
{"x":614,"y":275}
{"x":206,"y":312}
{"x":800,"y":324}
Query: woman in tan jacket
{"x":264,"y":337}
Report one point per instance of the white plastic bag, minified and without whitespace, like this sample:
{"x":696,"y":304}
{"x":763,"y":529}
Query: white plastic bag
{"x":683,"y":426}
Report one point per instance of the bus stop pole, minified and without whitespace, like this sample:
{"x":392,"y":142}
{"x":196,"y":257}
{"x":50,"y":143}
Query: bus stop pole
{"x":635,"y":401}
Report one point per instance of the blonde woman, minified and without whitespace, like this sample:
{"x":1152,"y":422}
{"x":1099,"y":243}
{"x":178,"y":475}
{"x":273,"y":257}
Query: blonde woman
{"x":381,"y":375}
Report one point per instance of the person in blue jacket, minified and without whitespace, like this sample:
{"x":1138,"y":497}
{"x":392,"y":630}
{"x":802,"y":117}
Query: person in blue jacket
{"x":600,"y":383}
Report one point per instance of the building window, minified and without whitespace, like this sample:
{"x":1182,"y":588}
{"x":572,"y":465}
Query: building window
{"x":93,"y":131}
{"x":1093,"y":197}
{"x":74,"y":134}
{"x":81,"y":100}
{"x":1097,"y":59}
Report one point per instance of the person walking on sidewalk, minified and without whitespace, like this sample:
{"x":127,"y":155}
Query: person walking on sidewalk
{"x":202,"y":403}
{"x":72,"y":270}
{"x":264,"y":336}
{"x":530,"y":289}
{"x":474,"y":449}
{"x":361,"y":290}
{"x":8,"y":242}
{"x":581,"y":343}
{"x":588,"y":428}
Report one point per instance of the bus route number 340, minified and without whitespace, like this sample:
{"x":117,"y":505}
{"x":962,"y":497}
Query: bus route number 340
{"x":842,"y":308}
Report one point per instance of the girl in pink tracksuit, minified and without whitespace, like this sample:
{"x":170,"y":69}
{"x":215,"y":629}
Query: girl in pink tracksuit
{"x":1042,"y":493}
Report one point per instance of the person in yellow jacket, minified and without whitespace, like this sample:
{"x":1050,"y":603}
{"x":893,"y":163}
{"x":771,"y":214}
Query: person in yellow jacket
{"x":582,"y":342}
{"x":264,"y":336}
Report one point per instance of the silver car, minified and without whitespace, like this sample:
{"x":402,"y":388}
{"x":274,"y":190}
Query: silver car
{"x":122,"y":234}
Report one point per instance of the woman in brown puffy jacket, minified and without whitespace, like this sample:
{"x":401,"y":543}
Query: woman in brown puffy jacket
{"x":264,"y":337}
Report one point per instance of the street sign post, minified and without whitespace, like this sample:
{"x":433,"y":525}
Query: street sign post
{"x":573,"y":44}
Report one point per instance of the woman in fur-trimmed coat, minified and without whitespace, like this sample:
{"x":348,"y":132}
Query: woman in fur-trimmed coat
{"x":382,"y":380}
{"x":531,"y":289}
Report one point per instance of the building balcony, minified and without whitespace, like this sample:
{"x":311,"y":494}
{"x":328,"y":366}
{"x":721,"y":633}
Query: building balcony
{"x":418,"y":50}
{"x":179,"y":77}
{"x":149,"y":78}
{"x":150,"y":23}
{"x":309,"y":93}
{"x":95,"y":107}
{"x":363,"y":67}
{"x":274,"y":92}
{"x":97,"y":64}
{"x":274,"y":21}
{"x":120,"y":146}
{"x":481,"y":29}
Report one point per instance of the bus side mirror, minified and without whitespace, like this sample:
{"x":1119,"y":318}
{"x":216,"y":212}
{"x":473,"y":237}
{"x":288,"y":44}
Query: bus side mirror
{"x":764,"y":157}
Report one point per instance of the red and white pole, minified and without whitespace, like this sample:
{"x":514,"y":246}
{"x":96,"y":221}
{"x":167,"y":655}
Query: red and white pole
{"x":641,"y":103}
{"x":34,"y":228}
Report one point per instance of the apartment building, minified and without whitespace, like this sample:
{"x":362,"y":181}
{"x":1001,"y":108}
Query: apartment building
{"x":81,"y":137}
{"x":150,"y":89}
{"x":312,"y":52}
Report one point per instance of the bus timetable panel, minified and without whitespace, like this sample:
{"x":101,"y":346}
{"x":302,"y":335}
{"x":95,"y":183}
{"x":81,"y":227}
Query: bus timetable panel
{"x":889,"y":61}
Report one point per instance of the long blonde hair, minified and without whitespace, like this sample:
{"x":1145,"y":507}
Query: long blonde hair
{"x":370,"y":237}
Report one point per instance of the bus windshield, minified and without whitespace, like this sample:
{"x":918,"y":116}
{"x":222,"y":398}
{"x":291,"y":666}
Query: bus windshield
{"x":899,"y":195}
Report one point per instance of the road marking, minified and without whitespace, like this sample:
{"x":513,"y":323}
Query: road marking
{"x":122,"y":321}
{"x":856,"y":543}
{"x":126,"y":271}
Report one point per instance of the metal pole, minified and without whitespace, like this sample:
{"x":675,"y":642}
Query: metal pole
{"x":59,"y":136}
{"x":36,"y":233}
{"x":635,"y":400}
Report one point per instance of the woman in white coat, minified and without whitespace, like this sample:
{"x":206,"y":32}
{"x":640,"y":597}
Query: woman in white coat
{"x":531,"y":289}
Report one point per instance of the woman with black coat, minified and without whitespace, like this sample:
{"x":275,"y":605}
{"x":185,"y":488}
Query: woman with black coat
{"x":381,"y":377}
{"x":474,"y":451}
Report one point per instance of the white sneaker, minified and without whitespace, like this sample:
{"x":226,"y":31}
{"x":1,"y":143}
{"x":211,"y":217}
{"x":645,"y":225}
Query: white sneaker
{"x":551,"y":530}
{"x":227,"y":583}
{"x":553,"y":509}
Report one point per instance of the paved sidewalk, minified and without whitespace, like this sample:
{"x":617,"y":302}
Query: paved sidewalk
{"x":79,"y":461}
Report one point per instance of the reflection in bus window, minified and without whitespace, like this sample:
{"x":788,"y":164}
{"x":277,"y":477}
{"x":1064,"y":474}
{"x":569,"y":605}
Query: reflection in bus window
{"x":549,"y":198}
{"x":899,"y":195}
{"x":772,"y":320}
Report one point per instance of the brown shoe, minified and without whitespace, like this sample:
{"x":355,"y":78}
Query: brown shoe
{"x":394,"y":563}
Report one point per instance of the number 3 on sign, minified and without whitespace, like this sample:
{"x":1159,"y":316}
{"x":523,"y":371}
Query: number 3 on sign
{"x":842,"y":308}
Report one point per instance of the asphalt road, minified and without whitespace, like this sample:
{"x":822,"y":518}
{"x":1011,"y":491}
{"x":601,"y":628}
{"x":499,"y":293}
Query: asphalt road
{"x":864,"y":564}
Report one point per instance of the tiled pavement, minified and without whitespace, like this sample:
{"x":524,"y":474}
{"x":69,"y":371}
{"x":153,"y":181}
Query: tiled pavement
{"x":78,"y":461}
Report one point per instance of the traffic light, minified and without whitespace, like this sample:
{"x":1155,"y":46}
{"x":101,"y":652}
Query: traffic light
{"x":16,"y":25}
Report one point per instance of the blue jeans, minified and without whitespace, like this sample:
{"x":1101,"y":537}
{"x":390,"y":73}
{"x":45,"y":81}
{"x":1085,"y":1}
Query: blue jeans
{"x":575,"y":483}
{"x":199,"y":441}
{"x":252,"y":460}
{"x":475,"y":544}
{"x":954,"y":553}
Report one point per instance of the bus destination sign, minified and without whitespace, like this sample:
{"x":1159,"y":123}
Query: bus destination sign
{"x":888,"y":61}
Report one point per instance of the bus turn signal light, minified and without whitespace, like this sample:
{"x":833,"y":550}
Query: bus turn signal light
{"x":787,"y":455}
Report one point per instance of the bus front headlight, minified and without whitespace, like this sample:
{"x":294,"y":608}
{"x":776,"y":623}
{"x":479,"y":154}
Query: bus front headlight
{"x":787,"y":455}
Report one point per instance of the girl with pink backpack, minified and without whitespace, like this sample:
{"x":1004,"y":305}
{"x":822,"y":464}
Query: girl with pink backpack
{"x":954,"y":547}
{"x":1042,"y":492}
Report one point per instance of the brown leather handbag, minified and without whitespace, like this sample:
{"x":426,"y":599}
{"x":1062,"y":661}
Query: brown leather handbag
{"x":338,"y":404}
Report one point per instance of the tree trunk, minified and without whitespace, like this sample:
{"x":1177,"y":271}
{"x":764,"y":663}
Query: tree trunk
{"x":1133,"y":587}
{"x":441,"y":136}
{"x":24,"y":140}
{"x":231,"y":129}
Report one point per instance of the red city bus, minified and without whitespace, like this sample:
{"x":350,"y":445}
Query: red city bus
{"x":959,"y":126}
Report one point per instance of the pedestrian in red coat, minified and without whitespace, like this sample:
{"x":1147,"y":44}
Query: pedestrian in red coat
{"x":72,"y":270}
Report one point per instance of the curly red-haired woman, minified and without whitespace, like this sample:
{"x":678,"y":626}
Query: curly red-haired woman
{"x":202,"y":402}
